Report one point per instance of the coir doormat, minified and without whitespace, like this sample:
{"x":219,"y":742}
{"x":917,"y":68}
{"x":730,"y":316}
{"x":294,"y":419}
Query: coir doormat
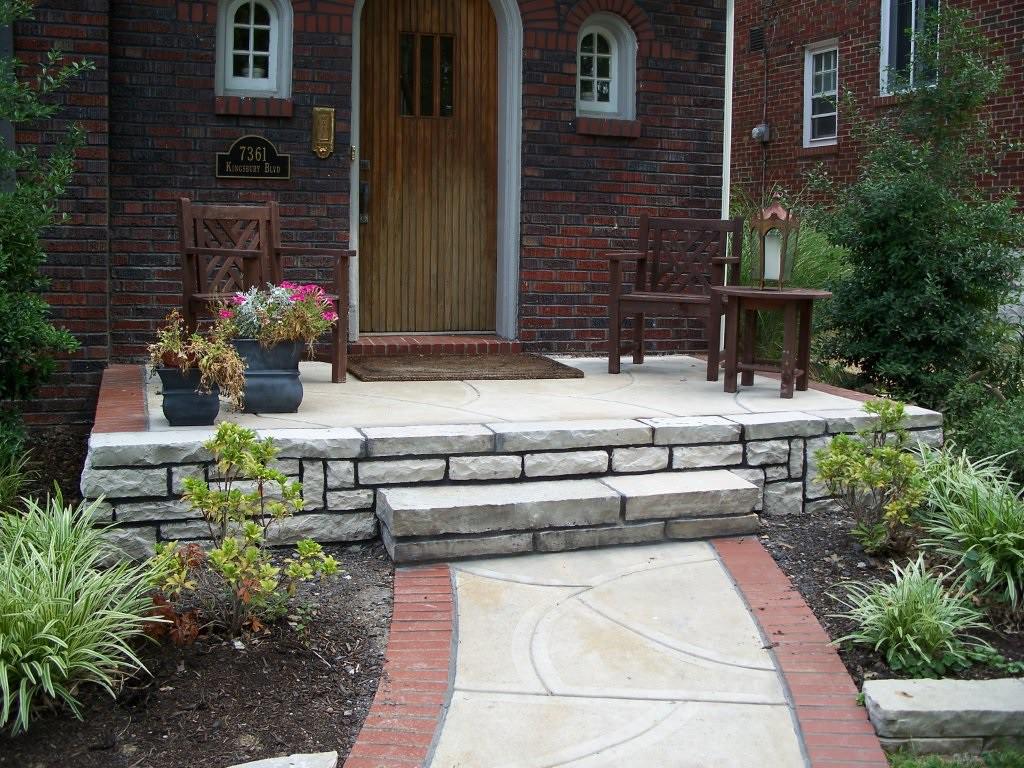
{"x":512,"y":365}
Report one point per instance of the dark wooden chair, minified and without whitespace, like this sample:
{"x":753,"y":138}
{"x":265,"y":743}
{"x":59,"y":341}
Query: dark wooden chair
{"x":677,"y":262}
{"x":231,"y":248}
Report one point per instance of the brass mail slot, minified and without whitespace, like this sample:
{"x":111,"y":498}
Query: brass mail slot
{"x":323,"y":132}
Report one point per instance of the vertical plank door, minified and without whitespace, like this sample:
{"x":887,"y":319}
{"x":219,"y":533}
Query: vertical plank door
{"x":428,"y":246}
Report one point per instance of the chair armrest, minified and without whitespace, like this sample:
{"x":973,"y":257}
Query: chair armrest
{"x":725,"y":260}
{"x":624,"y":255}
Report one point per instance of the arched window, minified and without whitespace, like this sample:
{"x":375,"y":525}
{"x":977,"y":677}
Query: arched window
{"x":606,"y":67}
{"x":254,"y":44}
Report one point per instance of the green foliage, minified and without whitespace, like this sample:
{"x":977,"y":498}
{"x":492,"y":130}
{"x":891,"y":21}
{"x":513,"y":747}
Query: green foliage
{"x":1001,"y":759}
{"x":914,"y":622}
{"x":28,"y":340}
{"x":875,"y":478}
{"x":932,"y":255}
{"x":64,"y":620}
{"x":975,"y":517}
{"x":238,"y":578}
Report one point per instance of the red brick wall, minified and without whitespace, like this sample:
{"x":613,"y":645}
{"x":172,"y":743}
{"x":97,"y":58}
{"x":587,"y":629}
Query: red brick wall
{"x":857,"y":26}
{"x":581,"y":192}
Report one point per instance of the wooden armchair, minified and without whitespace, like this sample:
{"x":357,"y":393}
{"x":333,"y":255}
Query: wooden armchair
{"x":677,"y":262}
{"x":231,"y":248}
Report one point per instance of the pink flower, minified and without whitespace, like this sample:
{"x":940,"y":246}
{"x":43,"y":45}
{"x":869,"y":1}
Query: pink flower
{"x":238,"y":298}
{"x":226,"y":314}
{"x":330,"y":316}
{"x":288,"y":285}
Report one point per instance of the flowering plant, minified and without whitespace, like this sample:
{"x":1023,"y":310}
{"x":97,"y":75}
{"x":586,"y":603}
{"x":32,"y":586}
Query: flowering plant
{"x":276,"y":313}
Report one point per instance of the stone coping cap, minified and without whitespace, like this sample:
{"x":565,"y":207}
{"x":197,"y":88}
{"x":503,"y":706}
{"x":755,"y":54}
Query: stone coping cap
{"x":957,"y":708}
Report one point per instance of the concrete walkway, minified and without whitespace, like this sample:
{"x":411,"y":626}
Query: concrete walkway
{"x":632,"y":656}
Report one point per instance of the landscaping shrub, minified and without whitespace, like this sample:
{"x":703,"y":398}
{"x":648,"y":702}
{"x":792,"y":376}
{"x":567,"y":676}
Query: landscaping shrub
{"x":64,"y":621}
{"x":932,"y":254}
{"x":29,"y":341}
{"x":237,"y":581}
{"x":1001,"y":759}
{"x":875,"y":479}
{"x":914,"y":622}
{"x":975,"y":517}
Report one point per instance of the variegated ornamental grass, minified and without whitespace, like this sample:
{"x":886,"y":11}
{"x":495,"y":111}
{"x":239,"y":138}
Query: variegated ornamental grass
{"x":65,"y":621}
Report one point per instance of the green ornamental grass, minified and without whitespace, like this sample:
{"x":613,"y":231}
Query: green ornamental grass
{"x":64,"y":620}
{"x":914,"y":622}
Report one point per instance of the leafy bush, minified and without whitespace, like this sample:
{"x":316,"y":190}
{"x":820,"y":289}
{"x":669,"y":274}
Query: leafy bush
{"x":1001,"y":759}
{"x":932,"y":254}
{"x":975,"y":517}
{"x":28,"y":340}
{"x":64,"y":621}
{"x":238,"y":580}
{"x":917,"y":625}
{"x":14,"y":476}
{"x":875,"y":479}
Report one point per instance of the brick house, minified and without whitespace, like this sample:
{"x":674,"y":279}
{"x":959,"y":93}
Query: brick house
{"x":791,"y":56}
{"x":500,"y":147}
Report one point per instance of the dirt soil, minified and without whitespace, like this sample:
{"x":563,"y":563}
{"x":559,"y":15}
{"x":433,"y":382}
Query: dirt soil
{"x":816,"y":551}
{"x":214,"y":705}
{"x":57,"y":456}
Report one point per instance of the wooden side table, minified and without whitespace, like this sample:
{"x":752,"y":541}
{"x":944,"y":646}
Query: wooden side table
{"x":796,"y":305}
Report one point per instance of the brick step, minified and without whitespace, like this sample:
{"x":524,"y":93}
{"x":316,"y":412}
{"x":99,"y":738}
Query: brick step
{"x":444,"y":522}
{"x":454,"y":344}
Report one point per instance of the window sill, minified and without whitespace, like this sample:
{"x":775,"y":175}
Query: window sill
{"x":608,"y":126}
{"x":258,"y":106}
{"x":818,"y":150}
{"x":887,"y":100}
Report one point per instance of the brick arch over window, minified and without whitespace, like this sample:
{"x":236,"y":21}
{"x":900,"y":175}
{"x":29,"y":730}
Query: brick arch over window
{"x":633,"y":14}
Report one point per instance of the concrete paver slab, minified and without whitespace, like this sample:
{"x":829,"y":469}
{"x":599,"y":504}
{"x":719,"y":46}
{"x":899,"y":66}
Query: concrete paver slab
{"x":639,"y":656}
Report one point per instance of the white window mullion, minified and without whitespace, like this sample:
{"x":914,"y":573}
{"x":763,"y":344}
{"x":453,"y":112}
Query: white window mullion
{"x":821,"y":82}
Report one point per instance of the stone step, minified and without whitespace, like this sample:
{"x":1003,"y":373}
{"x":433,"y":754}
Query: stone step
{"x":440,"y":522}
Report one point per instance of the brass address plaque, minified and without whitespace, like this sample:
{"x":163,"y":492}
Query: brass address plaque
{"x":323,"y":132}
{"x":253,"y":157}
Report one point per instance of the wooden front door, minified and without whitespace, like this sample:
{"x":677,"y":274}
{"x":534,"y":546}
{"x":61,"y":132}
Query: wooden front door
{"x":428,"y":166}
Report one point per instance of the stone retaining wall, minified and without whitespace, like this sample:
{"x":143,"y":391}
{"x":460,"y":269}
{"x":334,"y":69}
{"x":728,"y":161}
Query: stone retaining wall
{"x":139,"y":474}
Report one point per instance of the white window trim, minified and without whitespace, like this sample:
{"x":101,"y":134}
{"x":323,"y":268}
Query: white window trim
{"x":883,"y":63}
{"x":278,"y":83}
{"x":809,"y":53}
{"x":622,"y":67}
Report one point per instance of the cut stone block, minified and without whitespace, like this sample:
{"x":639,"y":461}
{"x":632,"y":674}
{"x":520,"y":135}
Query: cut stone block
{"x":358,"y":498}
{"x":582,"y":538}
{"x":135,"y":543}
{"x":401,"y":471}
{"x":786,"y":498}
{"x":685,"y":430}
{"x":815,"y":489}
{"x":765,"y":426}
{"x":453,"y":547}
{"x":313,"y":484}
{"x":639,"y":459}
{"x":308,"y":760}
{"x":123,"y":483}
{"x":761,"y":452}
{"x":756,"y":478}
{"x":568,"y":463}
{"x":684,"y":494}
{"x":707,"y":527}
{"x":341,"y":474}
{"x":356,"y":526}
{"x":933,"y":438}
{"x":847,"y":420}
{"x":704,"y":456}
{"x":443,"y":510}
{"x":117,"y":449}
{"x":547,"y":435}
{"x":796,"y":458}
{"x":188,"y":529}
{"x":945,"y":708}
{"x":774,"y":474}
{"x":441,"y":439}
{"x":178,"y":475}
{"x":919,"y":418}
{"x":319,"y":443}
{"x":148,"y":511}
{"x":485,"y":467}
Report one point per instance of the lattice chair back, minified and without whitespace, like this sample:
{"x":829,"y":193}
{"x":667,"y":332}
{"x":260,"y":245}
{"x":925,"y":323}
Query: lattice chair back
{"x":227,"y":248}
{"x":682,"y":256}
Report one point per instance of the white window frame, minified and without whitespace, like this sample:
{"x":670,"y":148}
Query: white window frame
{"x":278,"y":81}
{"x":886,"y":45}
{"x":809,"y":53}
{"x":622,"y":67}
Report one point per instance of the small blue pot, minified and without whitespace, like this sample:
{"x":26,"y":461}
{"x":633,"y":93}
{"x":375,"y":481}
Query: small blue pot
{"x":272,"y":382}
{"x":184,"y":405}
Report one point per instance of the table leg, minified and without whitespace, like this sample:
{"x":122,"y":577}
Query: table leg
{"x":803,"y":361}
{"x":749,"y":341}
{"x":732,"y":321}
{"x":788,"y":349}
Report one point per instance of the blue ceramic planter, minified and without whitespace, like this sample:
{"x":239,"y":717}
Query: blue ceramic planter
{"x":272,"y":382}
{"x":184,"y":405}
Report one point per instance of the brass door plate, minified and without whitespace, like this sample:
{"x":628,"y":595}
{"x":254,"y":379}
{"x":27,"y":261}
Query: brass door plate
{"x":323,"y":132}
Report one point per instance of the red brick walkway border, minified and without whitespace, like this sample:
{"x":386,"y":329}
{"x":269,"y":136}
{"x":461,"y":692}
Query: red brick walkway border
{"x":834,"y":728}
{"x":121,"y":406}
{"x":413,"y":691}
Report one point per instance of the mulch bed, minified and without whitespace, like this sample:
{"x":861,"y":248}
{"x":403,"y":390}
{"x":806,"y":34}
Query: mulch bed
{"x":213,"y":705}
{"x":57,"y":456}
{"x":816,"y":551}
{"x":409,"y":367}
